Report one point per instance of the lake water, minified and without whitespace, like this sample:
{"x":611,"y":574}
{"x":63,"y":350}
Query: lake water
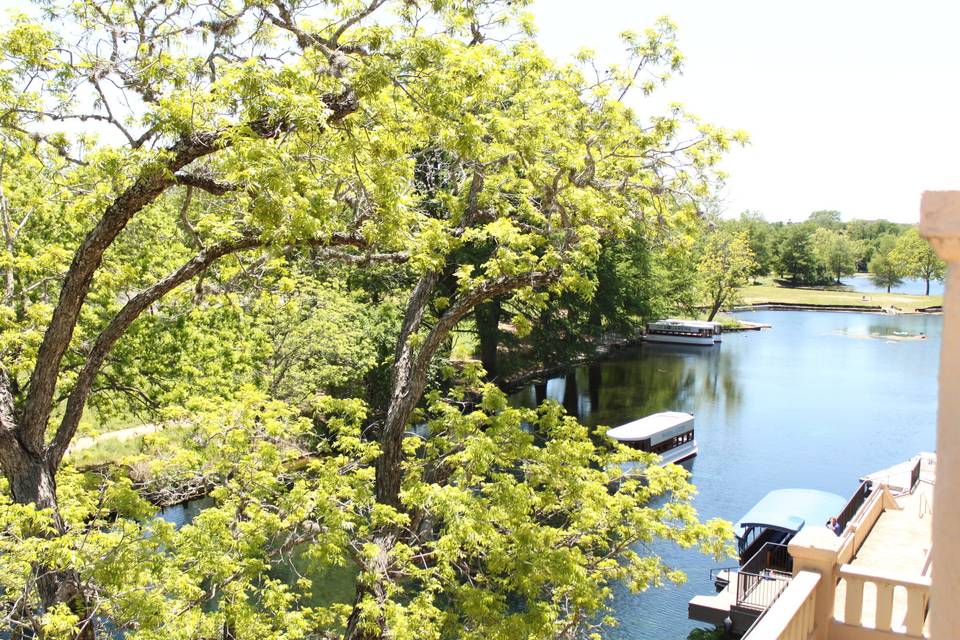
{"x":912,"y":286}
{"x":815,"y":402}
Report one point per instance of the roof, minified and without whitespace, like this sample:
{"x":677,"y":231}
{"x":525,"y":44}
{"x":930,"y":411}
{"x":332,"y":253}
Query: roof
{"x":687,"y":323}
{"x":789,"y":509}
{"x":649,"y":426}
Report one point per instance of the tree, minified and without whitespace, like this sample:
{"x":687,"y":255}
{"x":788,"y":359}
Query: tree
{"x":836,"y":252}
{"x":241,"y":142}
{"x":825,"y":219}
{"x":795,"y":256}
{"x":761,"y":237}
{"x":885,"y":267}
{"x":918,"y":258}
{"x":724,"y":267}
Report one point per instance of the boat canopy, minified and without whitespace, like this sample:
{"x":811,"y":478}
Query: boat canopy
{"x":674,"y":323}
{"x":657,"y":427}
{"x":788,"y":509}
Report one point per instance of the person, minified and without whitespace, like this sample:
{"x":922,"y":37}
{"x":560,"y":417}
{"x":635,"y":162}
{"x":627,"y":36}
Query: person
{"x":834,"y":526}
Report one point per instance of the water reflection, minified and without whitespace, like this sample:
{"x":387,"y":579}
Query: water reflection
{"x":801,"y":405}
{"x":641,"y":381}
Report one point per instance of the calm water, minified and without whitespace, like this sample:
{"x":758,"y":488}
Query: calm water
{"x":815,"y":402}
{"x":912,"y":286}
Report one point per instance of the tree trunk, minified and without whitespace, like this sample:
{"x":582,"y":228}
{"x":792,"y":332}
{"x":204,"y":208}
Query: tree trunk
{"x":32,"y":480}
{"x":927,"y":292}
{"x":715,"y":309}
{"x":487,"y":317}
{"x":407,"y":381}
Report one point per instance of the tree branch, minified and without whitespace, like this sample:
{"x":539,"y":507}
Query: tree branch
{"x":76,"y":401}
{"x":79,"y":278}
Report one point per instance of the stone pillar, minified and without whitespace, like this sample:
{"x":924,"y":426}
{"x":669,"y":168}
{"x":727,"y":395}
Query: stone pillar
{"x":817,"y":549}
{"x":940,"y":225}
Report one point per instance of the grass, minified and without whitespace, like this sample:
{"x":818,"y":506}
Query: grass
{"x":768,"y":291}
{"x":112,"y":450}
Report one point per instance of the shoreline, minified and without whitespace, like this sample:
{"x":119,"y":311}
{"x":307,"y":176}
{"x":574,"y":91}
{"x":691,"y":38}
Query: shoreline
{"x":847,"y":308}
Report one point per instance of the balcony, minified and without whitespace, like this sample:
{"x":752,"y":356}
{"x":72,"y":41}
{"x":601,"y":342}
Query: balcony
{"x":871,"y":583}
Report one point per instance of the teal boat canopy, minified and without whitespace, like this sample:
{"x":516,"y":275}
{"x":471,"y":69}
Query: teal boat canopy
{"x":789,"y":509}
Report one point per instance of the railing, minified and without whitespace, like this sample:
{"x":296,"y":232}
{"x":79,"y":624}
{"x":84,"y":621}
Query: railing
{"x":762,"y":578}
{"x":910,"y":618}
{"x":792,"y":616}
{"x":854,"y":504}
{"x":915,"y":473}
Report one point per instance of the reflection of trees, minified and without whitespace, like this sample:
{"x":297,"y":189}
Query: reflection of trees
{"x":653,"y":378}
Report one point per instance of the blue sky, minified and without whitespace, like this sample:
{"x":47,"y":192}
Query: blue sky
{"x":850,"y":105}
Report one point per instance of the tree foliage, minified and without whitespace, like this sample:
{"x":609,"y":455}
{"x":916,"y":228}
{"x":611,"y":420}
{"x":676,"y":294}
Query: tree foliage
{"x":886,"y":268}
{"x":836,"y":252}
{"x":340,"y":185}
{"x":725,"y":265}
{"x":918,"y":258}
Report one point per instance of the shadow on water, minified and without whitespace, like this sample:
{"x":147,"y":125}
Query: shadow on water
{"x":801,"y":405}
{"x":640,"y":381}
{"x":815,"y":402}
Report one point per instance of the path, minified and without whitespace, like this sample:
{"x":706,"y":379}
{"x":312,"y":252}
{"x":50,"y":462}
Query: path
{"x":87,"y":442}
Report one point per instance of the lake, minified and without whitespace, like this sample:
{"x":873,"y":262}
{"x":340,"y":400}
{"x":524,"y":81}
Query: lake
{"x":862,"y":282}
{"x":815,"y":402}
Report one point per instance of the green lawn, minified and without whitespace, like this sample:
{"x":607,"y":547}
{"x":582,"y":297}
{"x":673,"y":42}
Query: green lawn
{"x":768,"y":291}
{"x":111,"y":450}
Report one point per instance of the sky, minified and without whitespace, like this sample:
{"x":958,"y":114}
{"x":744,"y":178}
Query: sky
{"x":850,"y":105}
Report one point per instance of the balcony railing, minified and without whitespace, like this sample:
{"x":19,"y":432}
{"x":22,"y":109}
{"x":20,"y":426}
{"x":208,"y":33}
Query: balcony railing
{"x":761,"y":579}
{"x":854,"y":504}
{"x":792,"y":616}
{"x":910,"y":615}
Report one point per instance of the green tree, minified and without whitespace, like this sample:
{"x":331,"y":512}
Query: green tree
{"x":825,"y":219}
{"x":795,"y":256}
{"x":836,"y":252}
{"x":886,"y":269}
{"x":724,"y":267}
{"x":243,"y":143}
{"x":918,"y":258}
{"x":760,"y":234}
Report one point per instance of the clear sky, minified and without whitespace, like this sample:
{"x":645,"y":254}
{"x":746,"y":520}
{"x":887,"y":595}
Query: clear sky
{"x":851,"y":105}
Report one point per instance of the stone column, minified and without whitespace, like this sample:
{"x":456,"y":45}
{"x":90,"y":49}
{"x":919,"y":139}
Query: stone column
{"x":940,"y":225}
{"x":817,"y":549}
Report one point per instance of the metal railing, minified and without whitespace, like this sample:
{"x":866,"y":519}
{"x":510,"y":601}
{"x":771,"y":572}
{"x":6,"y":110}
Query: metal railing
{"x":762,"y":578}
{"x":853,"y":505}
{"x":915,"y":474}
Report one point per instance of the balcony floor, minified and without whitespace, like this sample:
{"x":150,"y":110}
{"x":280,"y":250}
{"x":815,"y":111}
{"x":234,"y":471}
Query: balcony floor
{"x":899,"y":543}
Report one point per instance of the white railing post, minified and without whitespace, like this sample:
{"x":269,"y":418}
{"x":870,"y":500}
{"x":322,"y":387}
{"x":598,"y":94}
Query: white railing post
{"x":940,"y":224}
{"x":853,"y":604}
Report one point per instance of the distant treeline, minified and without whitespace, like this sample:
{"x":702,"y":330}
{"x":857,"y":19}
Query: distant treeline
{"x":823,"y":249}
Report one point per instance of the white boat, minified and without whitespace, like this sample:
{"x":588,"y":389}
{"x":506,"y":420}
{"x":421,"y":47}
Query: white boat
{"x":684,"y":331}
{"x":668,"y":434}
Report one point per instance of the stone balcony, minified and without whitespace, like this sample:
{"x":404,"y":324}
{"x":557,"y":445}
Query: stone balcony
{"x":872,"y":582}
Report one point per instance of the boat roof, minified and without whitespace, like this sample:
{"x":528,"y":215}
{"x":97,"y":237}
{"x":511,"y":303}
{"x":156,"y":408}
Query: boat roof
{"x":649,"y":426}
{"x":687,"y":323}
{"x":788,"y":509}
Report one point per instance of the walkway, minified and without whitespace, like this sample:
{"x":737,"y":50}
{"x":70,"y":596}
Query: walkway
{"x":899,"y":543}
{"x":79,"y":444}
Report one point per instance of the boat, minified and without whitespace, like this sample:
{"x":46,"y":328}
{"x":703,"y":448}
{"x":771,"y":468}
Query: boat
{"x":776,"y":519}
{"x":668,"y":434}
{"x":677,"y":331}
{"x":780,"y":515}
